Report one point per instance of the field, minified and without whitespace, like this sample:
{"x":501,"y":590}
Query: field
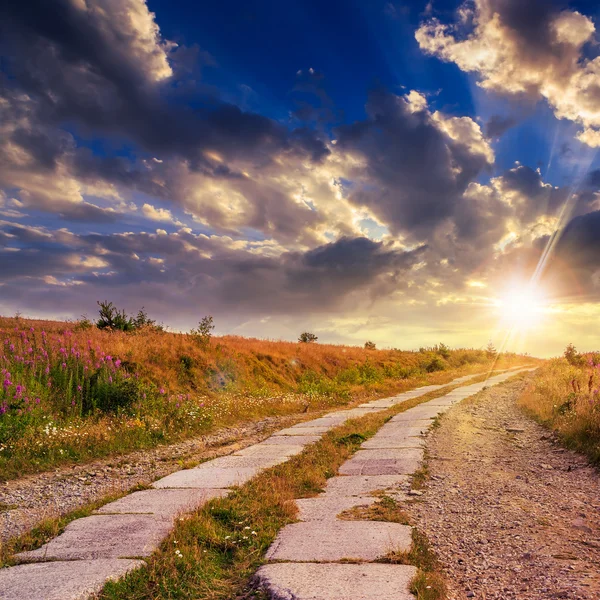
{"x":564,"y":395}
{"x":71,"y":392}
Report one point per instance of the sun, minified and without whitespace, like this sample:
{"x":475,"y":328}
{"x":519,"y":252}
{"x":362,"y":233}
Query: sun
{"x":521,"y":307}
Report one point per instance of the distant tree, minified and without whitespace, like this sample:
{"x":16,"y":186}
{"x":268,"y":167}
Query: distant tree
{"x":143,"y":320}
{"x":307,"y":337}
{"x":113,"y":319}
{"x":491,"y":351}
{"x":203,"y":332}
{"x":443,"y":350}
{"x":370,"y":346}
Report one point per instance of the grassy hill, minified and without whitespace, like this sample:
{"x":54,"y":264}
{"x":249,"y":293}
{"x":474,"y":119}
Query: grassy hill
{"x":71,"y":392}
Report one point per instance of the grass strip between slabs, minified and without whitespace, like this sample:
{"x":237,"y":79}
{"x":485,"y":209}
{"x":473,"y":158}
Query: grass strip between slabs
{"x":213,"y":552}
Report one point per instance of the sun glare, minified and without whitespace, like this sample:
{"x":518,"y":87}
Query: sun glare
{"x":522,"y":308}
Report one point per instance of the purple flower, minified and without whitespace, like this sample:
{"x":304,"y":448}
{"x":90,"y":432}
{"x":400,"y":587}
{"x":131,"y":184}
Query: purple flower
{"x":161,"y":391}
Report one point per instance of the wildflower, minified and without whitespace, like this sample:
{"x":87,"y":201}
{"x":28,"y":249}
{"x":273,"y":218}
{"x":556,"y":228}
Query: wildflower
{"x":161,"y":391}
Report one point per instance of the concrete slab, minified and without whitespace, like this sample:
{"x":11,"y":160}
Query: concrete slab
{"x":331,"y":420}
{"x":398,"y":441}
{"x":361,"y":485}
{"x":206,"y":478}
{"x":419,"y":412}
{"x":326,"y":507}
{"x":402,"y":429}
{"x":72,"y":580}
{"x":271,"y":450}
{"x":387,"y":454}
{"x":423,"y":424}
{"x":296,"y":430}
{"x":356,"y":413}
{"x":165,"y":503}
{"x":361,"y":464}
{"x":308,"y":581}
{"x":338,"y":540}
{"x":238,"y":462}
{"x":276,"y":440}
{"x":104,"y":536}
{"x":385,"y":403}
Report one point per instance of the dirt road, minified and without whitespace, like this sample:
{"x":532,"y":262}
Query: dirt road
{"x":510,"y":513}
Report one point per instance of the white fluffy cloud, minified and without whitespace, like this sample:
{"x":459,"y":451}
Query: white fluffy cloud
{"x":539,"y":55}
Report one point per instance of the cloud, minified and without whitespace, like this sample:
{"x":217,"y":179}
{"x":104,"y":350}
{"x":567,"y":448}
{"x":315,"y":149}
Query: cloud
{"x":159,"y":214}
{"x":532,"y":49}
{"x":216,"y":272}
{"x":497,"y":125}
{"x":411,"y":166}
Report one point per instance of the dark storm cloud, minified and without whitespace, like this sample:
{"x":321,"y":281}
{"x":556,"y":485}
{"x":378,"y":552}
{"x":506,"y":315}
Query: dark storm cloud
{"x":529,"y":195}
{"x":498,"y":125}
{"x":200,"y":269}
{"x":81,"y":67}
{"x":415,"y":172}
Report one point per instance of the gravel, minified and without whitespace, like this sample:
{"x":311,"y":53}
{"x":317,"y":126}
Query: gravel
{"x":29,"y":500}
{"x":510,"y":513}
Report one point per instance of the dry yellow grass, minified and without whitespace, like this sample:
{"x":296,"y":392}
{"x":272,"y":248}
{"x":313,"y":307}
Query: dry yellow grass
{"x":566,"y":399}
{"x":168,"y":386}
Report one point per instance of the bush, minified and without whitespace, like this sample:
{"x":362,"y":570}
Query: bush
{"x":370,"y":346}
{"x":443,"y":351}
{"x":307,"y":337}
{"x":436,"y":363}
{"x":113,"y":319}
{"x":573,"y":357}
{"x":110,"y":397}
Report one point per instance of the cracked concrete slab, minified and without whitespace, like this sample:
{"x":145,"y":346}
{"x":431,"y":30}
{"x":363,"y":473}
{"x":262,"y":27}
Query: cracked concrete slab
{"x":234,"y":461}
{"x":326,"y":507}
{"x":71,"y":580}
{"x":313,"y":541}
{"x":331,"y":420}
{"x":166,"y":503}
{"x":362,"y":485}
{"x":308,"y":581}
{"x":361,"y":463}
{"x":104,"y":536}
{"x":423,"y":424}
{"x":304,"y":430}
{"x":397,"y":441}
{"x":271,"y":450}
{"x":284,"y":440}
{"x":207,"y":478}
{"x":421,"y":412}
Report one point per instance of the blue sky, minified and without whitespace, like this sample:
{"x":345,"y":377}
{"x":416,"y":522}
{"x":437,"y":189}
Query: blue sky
{"x":382,"y":170}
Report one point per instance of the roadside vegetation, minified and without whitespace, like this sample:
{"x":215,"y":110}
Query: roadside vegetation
{"x":564,"y":395}
{"x":75,"y":391}
{"x":214,"y":552}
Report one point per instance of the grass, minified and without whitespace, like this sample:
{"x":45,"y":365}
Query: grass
{"x":565,"y":398}
{"x":72,"y":393}
{"x":214,"y":552}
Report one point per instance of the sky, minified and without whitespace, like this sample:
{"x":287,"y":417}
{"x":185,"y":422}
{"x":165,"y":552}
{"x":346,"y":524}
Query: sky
{"x":407,"y":172}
